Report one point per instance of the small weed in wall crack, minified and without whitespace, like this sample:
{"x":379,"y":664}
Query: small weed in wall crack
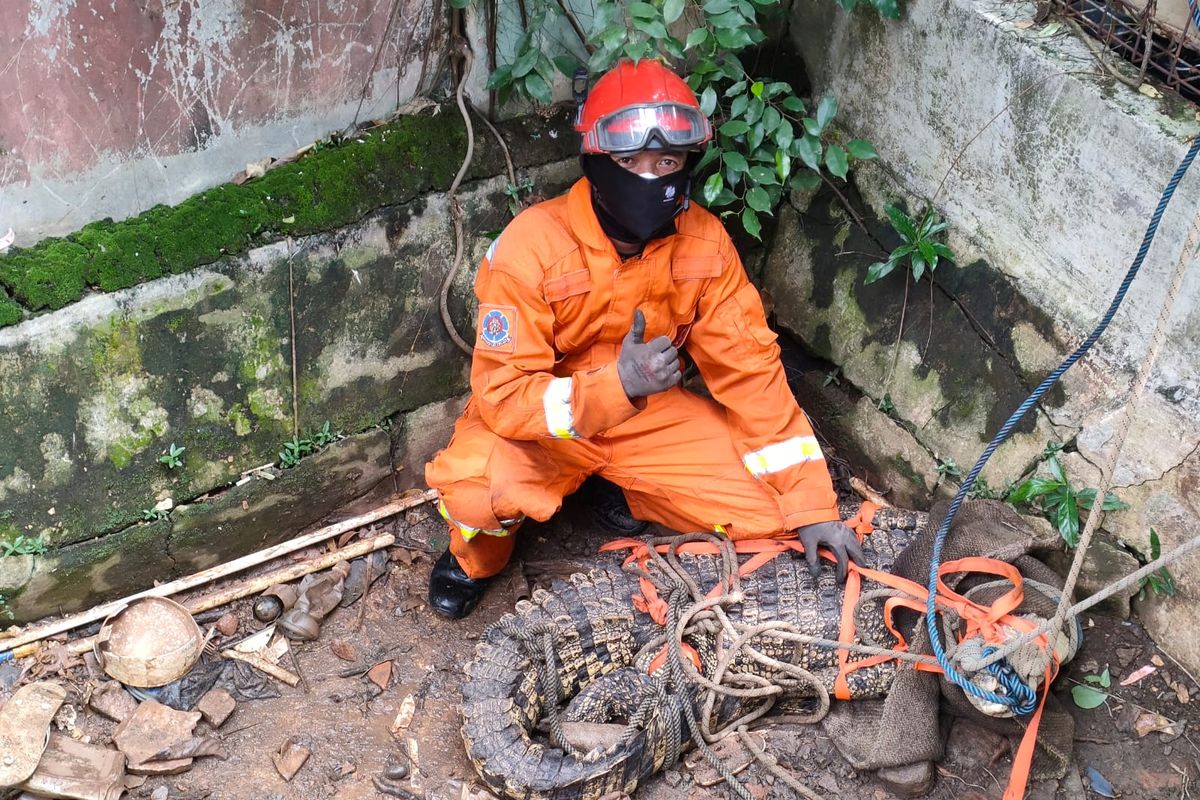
{"x":21,"y":545}
{"x":299,"y":447}
{"x":170,"y":457}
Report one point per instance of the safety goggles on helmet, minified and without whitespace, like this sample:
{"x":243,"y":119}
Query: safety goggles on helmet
{"x":635,"y":128}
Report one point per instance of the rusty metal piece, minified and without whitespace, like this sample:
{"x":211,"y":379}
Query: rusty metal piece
{"x":151,"y":643}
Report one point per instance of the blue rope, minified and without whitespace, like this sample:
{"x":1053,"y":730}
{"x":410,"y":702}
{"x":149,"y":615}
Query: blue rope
{"x":1023,"y":701}
{"x":1195,"y":13}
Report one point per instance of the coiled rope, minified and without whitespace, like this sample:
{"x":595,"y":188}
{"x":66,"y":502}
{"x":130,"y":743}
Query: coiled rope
{"x":1023,"y":701}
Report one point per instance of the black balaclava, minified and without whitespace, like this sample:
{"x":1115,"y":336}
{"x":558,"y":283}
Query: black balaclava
{"x":632,"y":208}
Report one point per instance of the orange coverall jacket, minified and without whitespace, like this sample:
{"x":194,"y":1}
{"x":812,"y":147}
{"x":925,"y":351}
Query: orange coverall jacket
{"x":555,"y":303}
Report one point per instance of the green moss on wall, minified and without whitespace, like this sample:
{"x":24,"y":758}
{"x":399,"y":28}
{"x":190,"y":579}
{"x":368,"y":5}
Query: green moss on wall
{"x":328,"y":189}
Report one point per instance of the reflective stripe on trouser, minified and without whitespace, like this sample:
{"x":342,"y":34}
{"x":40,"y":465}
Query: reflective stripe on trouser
{"x":675,"y":460}
{"x":781,"y":455}
{"x":468,"y":533}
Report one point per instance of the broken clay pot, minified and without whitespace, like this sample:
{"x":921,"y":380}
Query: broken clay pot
{"x":150,"y":643}
{"x":24,"y":727}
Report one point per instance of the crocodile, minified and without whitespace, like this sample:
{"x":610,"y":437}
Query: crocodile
{"x":598,"y":634}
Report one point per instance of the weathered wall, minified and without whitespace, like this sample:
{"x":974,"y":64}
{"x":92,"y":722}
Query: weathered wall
{"x":93,"y":393}
{"x":110,"y":106}
{"x":1048,"y":204}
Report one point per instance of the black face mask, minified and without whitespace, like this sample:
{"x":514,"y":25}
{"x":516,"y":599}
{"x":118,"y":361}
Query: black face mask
{"x":631,"y":208}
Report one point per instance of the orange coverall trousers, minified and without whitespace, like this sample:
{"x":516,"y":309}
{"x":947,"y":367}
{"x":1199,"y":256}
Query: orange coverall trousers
{"x":675,"y":460}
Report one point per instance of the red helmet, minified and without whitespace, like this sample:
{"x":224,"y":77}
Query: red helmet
{"x":636,"y":106}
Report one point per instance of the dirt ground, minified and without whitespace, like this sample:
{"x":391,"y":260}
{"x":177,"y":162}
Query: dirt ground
{"x":347,"y":721}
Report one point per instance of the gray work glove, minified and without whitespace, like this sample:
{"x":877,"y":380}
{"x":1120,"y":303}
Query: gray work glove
{"x":835,"y":536}
{"x":646,"y":368}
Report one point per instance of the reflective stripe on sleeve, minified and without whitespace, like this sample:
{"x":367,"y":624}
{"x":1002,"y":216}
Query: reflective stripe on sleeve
{"x":560,"y":418}
{"x":781,"y":455}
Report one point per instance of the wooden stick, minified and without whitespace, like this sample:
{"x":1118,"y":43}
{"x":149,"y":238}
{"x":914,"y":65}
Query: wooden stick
{"x":260,"y":663}
{"x":267,"y":580}
{"x":867,"y":493}
{"x":220,"y":571}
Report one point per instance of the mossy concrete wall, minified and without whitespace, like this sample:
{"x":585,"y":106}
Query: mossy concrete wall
{"x":93,"y":393}
{"x":1048,"y":174}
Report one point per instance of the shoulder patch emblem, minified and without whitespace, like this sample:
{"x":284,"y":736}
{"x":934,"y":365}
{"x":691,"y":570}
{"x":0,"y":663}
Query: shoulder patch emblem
{"x":497,"y":327}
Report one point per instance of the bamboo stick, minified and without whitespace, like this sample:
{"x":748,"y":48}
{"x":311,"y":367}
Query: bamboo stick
{"x":267,"y":580}
{"x":259,"y":663}
{"x":222,"y":570}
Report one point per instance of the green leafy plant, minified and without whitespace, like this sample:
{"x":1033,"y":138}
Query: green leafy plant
{"x":949,"y":467}
{"x":154,"y":514}
{"x":765,"y":141}
{"x":886,"y":405}
{"x":1161,"y":581}
{"x":1087,"y":697}
{"x":921,"y":247}
{"x":22,"y":545}
{"x":171,"y":457}
{"x":1059,"y":500}
{"x":299,"y":447}
{"x":980,"y":490}
{"x":515,"y":192}
{"x":833,"y":377}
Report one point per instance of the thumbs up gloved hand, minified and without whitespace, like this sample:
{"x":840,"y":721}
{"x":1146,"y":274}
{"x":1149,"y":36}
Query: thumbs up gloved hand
{"x":646,"y":368}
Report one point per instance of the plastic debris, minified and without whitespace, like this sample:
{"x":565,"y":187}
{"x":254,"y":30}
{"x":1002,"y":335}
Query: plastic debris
{"x":1138,"y":674}
{"x":1099,"y":783}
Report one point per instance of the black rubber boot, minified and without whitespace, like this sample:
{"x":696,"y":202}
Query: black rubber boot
{"x":610,"y":510}
{"x":451,"y":593}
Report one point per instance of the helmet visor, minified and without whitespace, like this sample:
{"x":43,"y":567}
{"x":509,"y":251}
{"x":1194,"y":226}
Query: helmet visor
{"x":632,"y":128}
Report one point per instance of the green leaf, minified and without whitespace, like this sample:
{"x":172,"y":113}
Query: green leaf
{"x":751,"y":224}
{"x":708,"y":101}
{"x":929,"y":254}
{"x":754,"y":111}
{"x":793,"y":104}
{"x":734,"y":39}
{"x":1055,"y":467}
{"x":459,"y":3}
{"x":861,"y":149}
{"x":1105,"y":678}
{"x":713,"y":7}
{"x":771,"y":118}
{"x":735,"y":161}
{"x":1067,"y":522}
{"x":652,"y":28}
{"x":537,"y":88}
{"x":735,"y":127}
{"x":783,"y":164}
{"x":835,"y":159}
{"x":758,"y":199}
{"x":1086,"y":697}
{"x":777,"y":88}
{"x":811,"y":127}
{"x":566,"y":65}
{"x":809,"y":150}
{"x":878,"y":270}
{"x":756,"y":136}
{"x":502,"y":76}
{"x":944,"y":252}
{"x":738,"y":107}
{"x":711,"y":154}
{"x":643,"y":11}
{"x":672,"y":10}
{"x":1155,"y":545}
{"x":784,"y":135}
{"x":902,"y":222}
{"x":729,"y":20}
{"x":713,"y":187}
{"x":805,"y":181}
{"x":826,"y":110}
{"x":918,"y":266}
{"x":525,"y":62}
{"x":696,"y":37}
{"x":762,"y":175}
{"x":756,"y":88}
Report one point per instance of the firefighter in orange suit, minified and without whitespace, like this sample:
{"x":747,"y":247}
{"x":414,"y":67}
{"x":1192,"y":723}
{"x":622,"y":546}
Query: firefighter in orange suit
{"x":585,"y":302}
